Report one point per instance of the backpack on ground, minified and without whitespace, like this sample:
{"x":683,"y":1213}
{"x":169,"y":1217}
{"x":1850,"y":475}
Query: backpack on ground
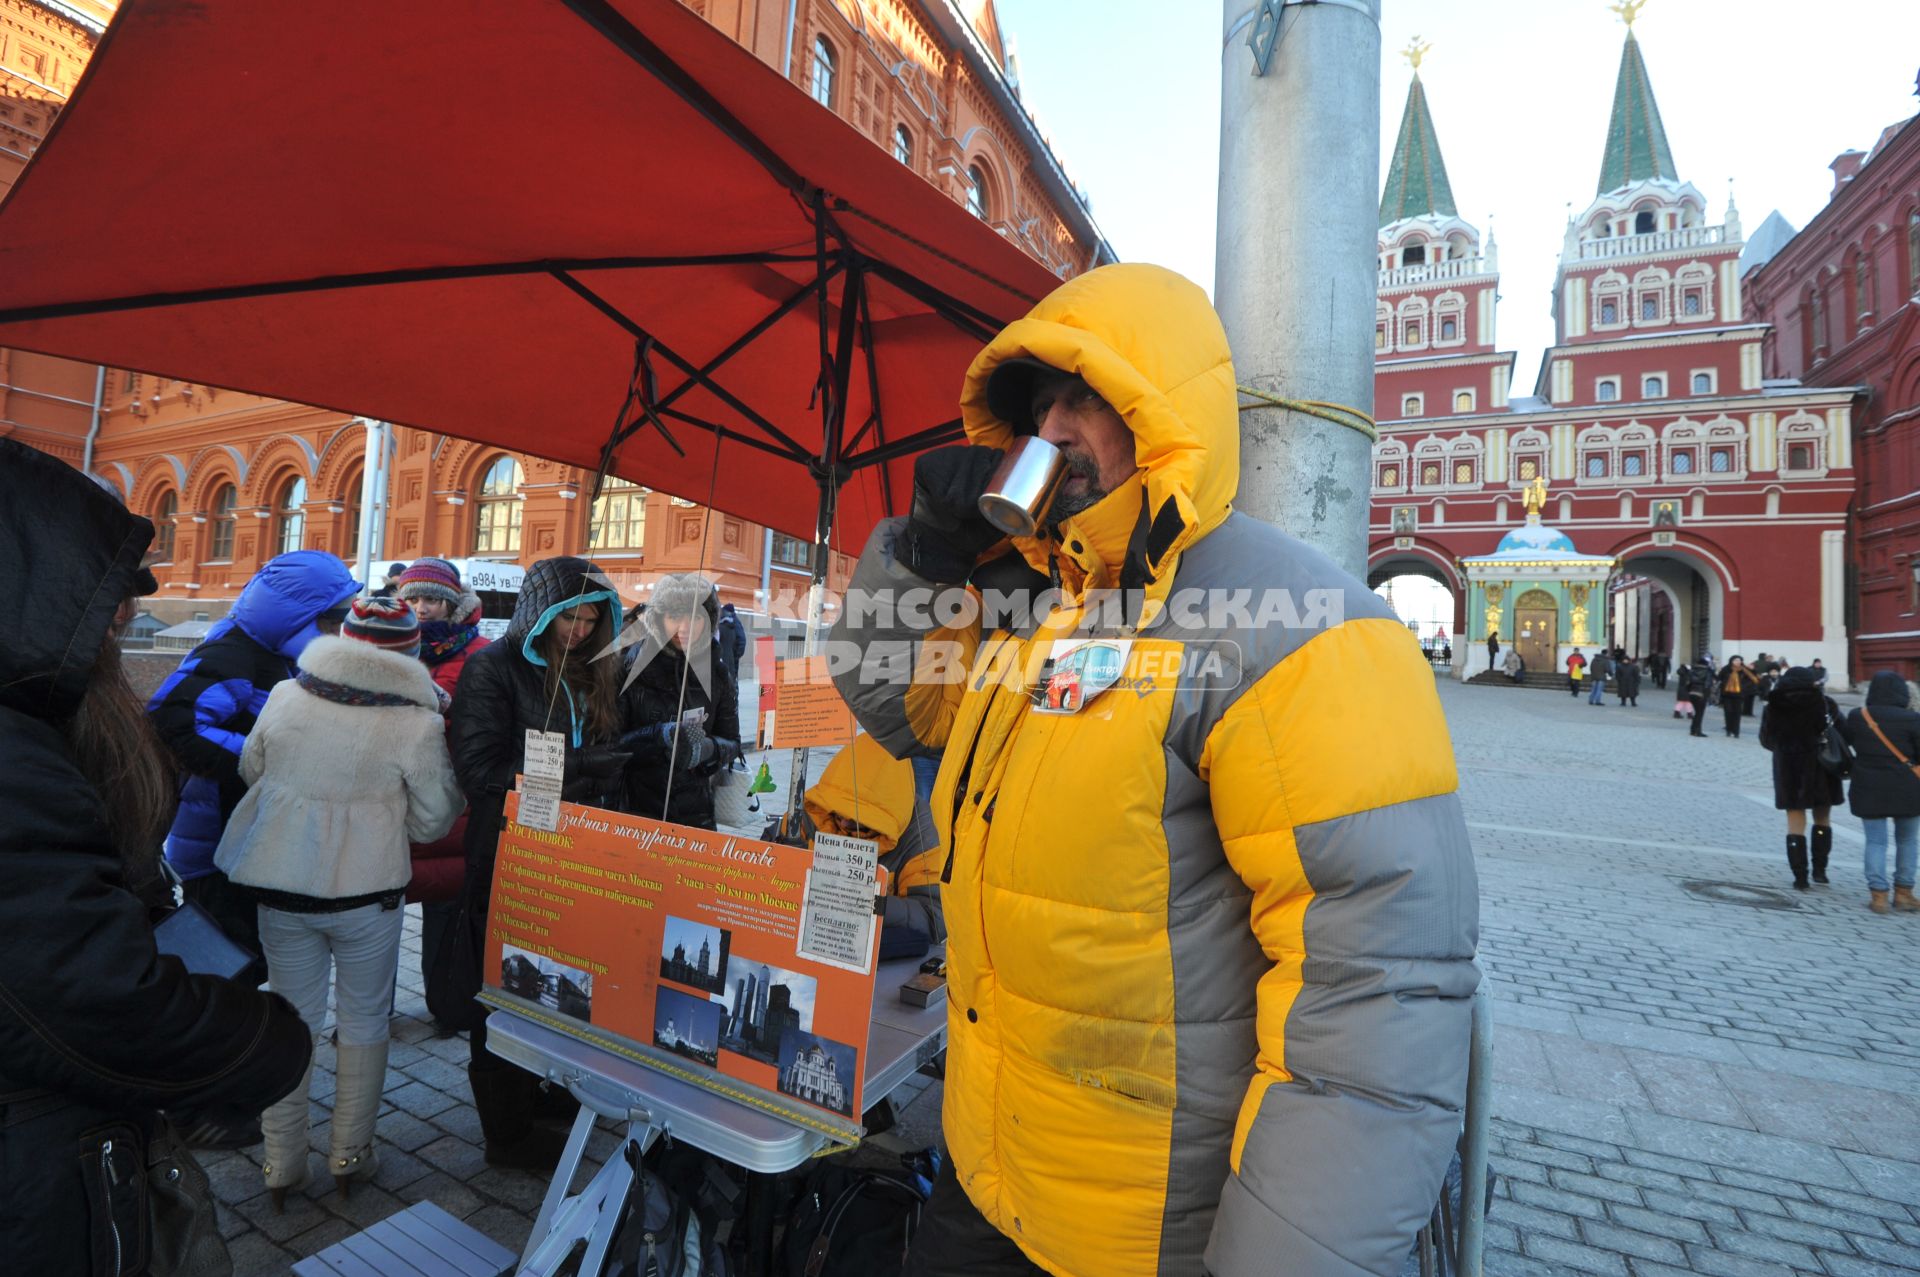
{"x":852,"y":1221}
{"x":680,"y":1202}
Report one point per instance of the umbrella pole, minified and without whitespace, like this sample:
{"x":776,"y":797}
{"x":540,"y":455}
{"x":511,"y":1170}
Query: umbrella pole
{"x":828,"y":470}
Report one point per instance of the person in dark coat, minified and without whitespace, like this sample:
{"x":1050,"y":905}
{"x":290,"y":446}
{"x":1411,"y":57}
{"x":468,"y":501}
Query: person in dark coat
{"x":1737,"y":688}
{"x":449,"y":633}
{"x":730,"y":638}
{"x":1696,"y":687}
{"x":681,"y":704}
{"x":1626,"y":680}
{"x":1493,"y":649}
{"x":1660,"y":665}
{"x":204,"y":710}
{"x":98,"y":1032}
{"x":1885,"y":788}
{"x":1792,"y":727}
{"x":552,"y":671}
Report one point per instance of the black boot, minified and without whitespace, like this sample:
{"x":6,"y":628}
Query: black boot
{"x":505,"y":1098}
{"x":1797,"y":859}
{"x":1822,"y":848}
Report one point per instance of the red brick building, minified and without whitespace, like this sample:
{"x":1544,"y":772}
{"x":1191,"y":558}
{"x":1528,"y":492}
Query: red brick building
{"x":232,"y":479}
{"x":1840,"y":301}
{"x":1721,"y":494}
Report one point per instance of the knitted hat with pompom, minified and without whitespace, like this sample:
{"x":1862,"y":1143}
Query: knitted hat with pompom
{"x":388,"y":624}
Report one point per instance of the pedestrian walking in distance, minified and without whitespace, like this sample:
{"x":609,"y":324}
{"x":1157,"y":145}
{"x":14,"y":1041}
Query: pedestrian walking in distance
{"x":1737,"y":687}
{"x":1626,"y":679}
{"x":1696,"y":688}
{"x":1792,"y":727}
{"x":1597,"y":672}
{"x":1493,"y":649}
{"x":347,"y":765}
{"x":1660,"y":665}
{"x":1885,"y":787}
{"x":1576,"y":670}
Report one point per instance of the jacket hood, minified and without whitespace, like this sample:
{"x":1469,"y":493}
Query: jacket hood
{"x":366,"y":668}
{"x":883,"y":801}
{"x":553,"y":586}
{"x":1888,"y":688}
{"x":69,"y":556}
{"x":1150,"y":343}
{"x":677,"y":596}
{"x":279,"y":608}
{"x":1798,"y":681}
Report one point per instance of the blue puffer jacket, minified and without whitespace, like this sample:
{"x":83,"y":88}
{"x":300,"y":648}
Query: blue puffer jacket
{"x":204,"y":711}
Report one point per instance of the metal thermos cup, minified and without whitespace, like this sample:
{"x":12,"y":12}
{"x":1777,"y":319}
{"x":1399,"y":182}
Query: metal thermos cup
{"x":1023,"y":487}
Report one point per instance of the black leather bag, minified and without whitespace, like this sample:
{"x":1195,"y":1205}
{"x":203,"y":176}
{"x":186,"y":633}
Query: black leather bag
{"x":185,"y":1235}
{"x":454,"y":979}
{"x":1835,"y":756}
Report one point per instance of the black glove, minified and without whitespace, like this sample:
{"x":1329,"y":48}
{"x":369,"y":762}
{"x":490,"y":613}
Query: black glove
{"x":653,"y":739}
{"x":945,"y":534}
{"x":601,"y":761}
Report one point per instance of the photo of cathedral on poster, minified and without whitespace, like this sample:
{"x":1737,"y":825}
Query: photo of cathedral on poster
{"x":694,"y":954}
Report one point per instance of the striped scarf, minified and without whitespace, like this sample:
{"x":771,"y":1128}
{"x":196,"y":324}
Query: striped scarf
{"x":440,"y":640}
{"x":340,"y":693}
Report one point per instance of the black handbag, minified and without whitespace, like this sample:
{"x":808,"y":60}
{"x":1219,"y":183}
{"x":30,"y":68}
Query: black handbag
{"x":186,"y":1239}
{"x":1835,"y":756}
{"x":454,"y":979}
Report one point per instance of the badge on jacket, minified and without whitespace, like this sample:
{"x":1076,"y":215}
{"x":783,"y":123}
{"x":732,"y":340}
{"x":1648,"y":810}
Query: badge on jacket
{"x":1078,"y":670}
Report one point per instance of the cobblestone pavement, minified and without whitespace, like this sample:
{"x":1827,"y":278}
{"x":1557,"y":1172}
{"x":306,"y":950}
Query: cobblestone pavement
{"x":1697,"y":1069}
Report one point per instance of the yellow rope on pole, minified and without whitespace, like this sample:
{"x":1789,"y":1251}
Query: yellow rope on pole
{"x":1338,"y":414}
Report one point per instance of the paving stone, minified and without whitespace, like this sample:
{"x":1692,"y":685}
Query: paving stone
{"x":451,"y":1196}
{"x":1502,"y":1263}
{"x":1877,"y":1207}
{"x":1506,"y":1169}
{"x":518,"y":1189}
{"x":505,"y":1226}
{"x":321,"y":1237}
{"x":1641,"y":1176}
{"x":1565,"y":1255}
{"x":405,"y":1132}
{"x":1555,"y":1199}
{"x":1725,"y":1264}
{"x":1883,"y":1177}
{"x":1760,"y":1246}
{"x":442,"y":1075}
{"x":1742,"y":1150}
{"x":301,"y":1214}
{"x":1681,"y":1087}
{"x":1529,"y":1219}
{"x":455,"y":1156}
{"x":1594,"y":1186}
{"x":1672,"y":1165}
{"x":1781,"y":1188}
{"x":462,"y":1121}
{"x":1795,"y":1230}
{"x":1896,"y":1254}
{"x":1845,"y":1221}
{"x":1571,"y":1114}
{"x":1689,"y":1205}
{"x":365,"y":1206}
{"x":420,"y":1100}
{"x":1673,"y":1227}
{"x":1544,"y":1155}
{"x":1851,"y":1265}
{"x":254,"y":1255}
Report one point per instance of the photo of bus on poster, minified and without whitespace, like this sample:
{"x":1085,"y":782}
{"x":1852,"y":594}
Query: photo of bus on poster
{"x":678,"y":947}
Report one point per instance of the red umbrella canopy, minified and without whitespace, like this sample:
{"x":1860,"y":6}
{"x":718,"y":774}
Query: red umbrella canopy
{"x":505,"y":222}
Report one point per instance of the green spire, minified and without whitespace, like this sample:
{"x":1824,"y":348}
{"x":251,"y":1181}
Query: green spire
{"x":1636,"y":140}
{"x":1417,"y":182}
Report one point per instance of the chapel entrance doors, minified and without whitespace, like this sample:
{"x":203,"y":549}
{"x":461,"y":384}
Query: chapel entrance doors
{"x":1536,"y":618}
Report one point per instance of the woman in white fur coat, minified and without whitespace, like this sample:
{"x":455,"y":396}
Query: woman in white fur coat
{"x":347,"y":765}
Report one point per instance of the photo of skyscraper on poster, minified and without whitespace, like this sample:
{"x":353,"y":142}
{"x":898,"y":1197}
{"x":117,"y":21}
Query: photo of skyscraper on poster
{"x":762,"y":1003}
{"x":679,"y":949}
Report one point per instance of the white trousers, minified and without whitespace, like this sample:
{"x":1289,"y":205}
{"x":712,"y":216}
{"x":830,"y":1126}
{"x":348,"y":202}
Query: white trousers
{"x":359,"y":948}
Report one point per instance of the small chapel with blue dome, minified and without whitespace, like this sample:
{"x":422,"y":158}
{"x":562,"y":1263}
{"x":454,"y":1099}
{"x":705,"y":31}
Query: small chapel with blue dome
{"x":1537,"y":591}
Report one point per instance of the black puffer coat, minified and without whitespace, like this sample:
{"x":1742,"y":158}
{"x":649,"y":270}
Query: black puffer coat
{"x":1882,"y":786}
{"x":1792,"y":725}
{"x":97,"y":1031}
{"x":502,"y":696}
{"x":662,"y":691}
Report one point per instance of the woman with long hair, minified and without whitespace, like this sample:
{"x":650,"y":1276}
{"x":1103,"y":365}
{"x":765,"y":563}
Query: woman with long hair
{"x":554,"y":670}
{"x":98,"y":1032}
{"x":1792,"y":726}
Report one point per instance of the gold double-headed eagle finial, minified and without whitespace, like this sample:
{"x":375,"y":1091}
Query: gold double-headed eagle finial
{"x":1628,"y":10}
{"x":1535,"y":495}
{"x":1417,"y":49}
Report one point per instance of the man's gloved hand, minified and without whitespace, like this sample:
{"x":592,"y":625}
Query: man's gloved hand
{"x":945,"y":534}
{"x":601,"y":761}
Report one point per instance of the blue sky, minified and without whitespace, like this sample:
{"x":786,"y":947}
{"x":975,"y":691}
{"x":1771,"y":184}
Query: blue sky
{"x":1765,"y":92}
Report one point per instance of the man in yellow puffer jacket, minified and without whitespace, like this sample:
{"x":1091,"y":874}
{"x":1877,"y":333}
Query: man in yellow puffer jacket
{"x":1210,"y":933}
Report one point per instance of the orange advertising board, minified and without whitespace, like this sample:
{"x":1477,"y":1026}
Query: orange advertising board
{"x":809,"y":709}
{"x":720,"y":959}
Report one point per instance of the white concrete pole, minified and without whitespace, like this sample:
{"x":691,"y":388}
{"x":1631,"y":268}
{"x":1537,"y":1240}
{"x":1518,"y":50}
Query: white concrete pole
{"x":1295,"y":271}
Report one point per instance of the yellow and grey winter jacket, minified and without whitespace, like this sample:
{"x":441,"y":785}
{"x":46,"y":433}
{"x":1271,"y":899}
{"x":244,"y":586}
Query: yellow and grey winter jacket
{"x":1210,"y":938}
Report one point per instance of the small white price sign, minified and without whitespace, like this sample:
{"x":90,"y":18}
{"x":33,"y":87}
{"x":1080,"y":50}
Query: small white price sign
{"x":836,"y":911}
{"x":542,"y":775}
